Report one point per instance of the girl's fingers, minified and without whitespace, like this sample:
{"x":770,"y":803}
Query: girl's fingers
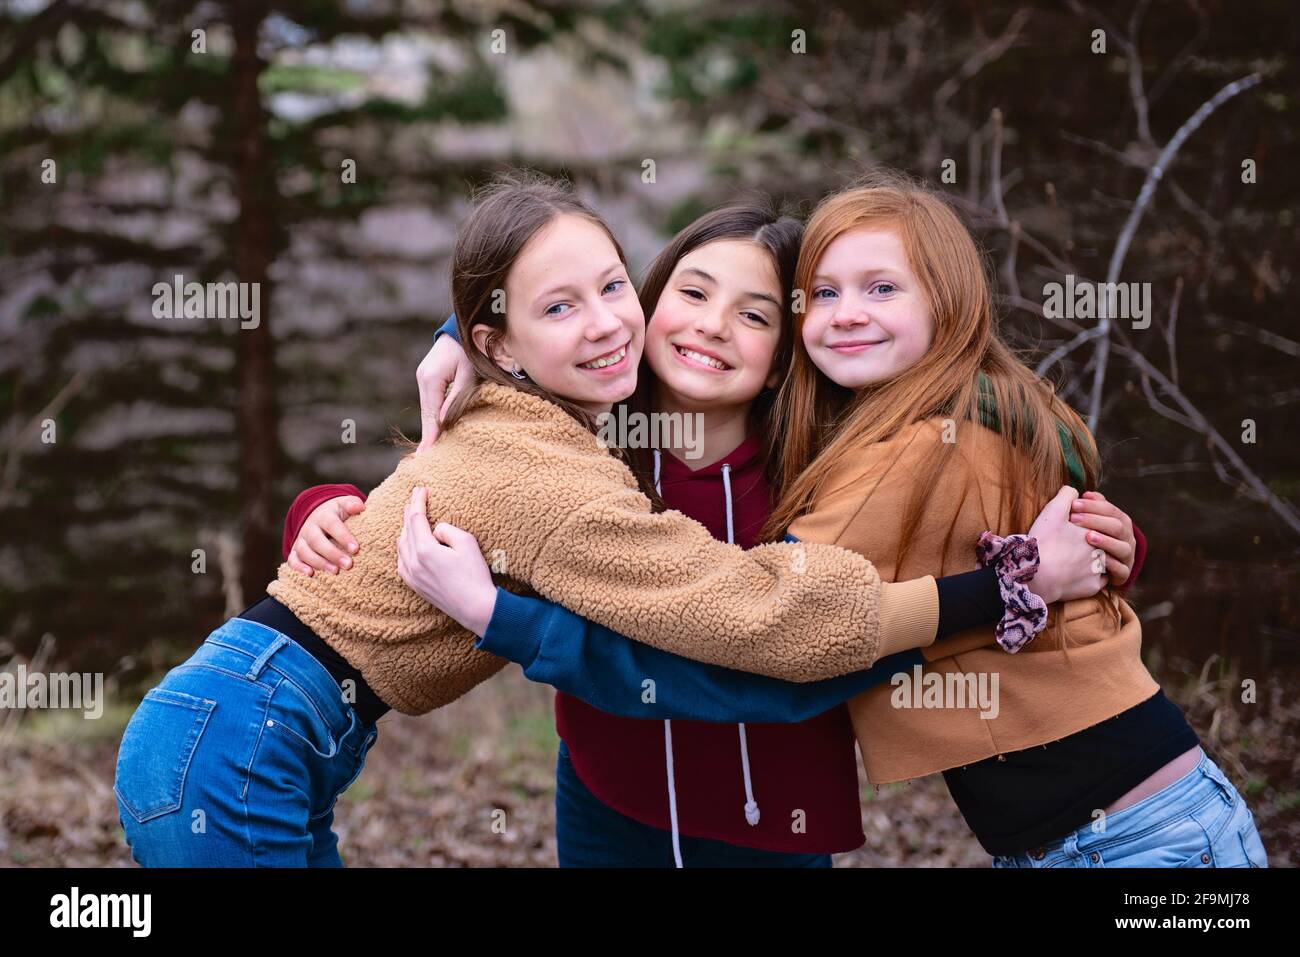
{"x":410,"y":515}
{"x":454,"y":537}
{"x":430,"y":419}
{"x":324,"y":547}
{"x":339,"y":534}
{"x":1100,"y":523}
{"x":1117,"y":571}
{"x":309,"y":557}
{"x":1111,"y":546}
{"x":1094,"y":506}
{"x":298,"y":566}
{"x":417,"y":519}
{"x":349,"y":505}
{"x":1097,"y":496}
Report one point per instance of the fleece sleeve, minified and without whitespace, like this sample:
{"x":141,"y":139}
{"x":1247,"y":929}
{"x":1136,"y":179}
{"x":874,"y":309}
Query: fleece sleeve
{"x":792,"y":610}
{"x":557,"y":647}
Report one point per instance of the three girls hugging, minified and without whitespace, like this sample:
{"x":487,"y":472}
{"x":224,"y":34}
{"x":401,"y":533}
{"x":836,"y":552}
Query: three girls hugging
{"x":885,"y":490}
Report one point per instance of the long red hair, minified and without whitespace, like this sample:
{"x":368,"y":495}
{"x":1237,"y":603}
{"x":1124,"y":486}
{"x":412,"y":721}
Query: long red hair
{"x":967,"y":370}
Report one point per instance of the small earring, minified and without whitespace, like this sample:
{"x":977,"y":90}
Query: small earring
{"x":518,"y":374}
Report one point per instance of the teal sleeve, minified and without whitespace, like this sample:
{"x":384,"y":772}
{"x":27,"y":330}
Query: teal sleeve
{"x":448,"y":328}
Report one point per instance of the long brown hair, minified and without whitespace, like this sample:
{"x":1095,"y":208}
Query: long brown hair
{"x":508,"y":212}
{"x":768,"y":226}
{"x":966,"y":369}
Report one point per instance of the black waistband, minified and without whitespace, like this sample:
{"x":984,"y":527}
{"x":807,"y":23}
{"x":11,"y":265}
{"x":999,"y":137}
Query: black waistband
{"x":1018,"y":801}
{"x":368,"y":705}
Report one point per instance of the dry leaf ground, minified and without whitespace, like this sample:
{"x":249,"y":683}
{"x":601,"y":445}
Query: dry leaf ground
{"x":432,"y":786}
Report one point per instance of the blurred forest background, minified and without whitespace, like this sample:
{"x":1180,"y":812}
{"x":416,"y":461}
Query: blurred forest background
{"x":223,"y":154}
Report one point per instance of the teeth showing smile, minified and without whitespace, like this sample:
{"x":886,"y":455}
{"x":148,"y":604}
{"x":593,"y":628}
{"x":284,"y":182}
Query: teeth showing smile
{"x":703,"y":359}
{"x":612,"y":359}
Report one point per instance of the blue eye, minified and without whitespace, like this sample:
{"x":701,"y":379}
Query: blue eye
{"x":886,"y":288}
{"x":817,"y":293}
{"x":552,"y":310}
{"x":613,"y":285}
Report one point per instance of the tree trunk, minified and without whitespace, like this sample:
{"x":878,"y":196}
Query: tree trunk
{"x":255,"y":356}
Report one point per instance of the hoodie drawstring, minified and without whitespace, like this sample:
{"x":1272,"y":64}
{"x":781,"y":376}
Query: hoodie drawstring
{"x":668,"y":744}
{"x":751,"y":806}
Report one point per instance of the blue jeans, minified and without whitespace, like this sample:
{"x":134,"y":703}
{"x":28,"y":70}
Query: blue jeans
{"x":1198,"y":821}
{"x":237,"y":758}
{"x":590,"y":833}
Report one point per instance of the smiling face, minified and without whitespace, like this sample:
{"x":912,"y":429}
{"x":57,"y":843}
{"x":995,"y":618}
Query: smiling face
{"x":716,"y":327}
{"x":868,"y":319}
{"x":574,"y":325}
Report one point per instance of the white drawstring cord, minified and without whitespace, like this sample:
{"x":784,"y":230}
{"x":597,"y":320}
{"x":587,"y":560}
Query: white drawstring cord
{"x":751,"y":806}
{"x":726,"y":490}
{"x":672,"y":793}
{"x":668,"y":746}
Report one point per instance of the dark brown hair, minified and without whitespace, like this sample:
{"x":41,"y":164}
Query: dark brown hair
{"x":767,"y":225}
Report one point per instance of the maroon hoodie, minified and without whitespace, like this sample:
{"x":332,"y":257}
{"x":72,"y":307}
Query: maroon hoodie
{"x":803,"y":777}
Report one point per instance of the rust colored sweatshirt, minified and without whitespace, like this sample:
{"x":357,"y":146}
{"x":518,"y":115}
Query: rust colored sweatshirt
{"x":972,"y":700}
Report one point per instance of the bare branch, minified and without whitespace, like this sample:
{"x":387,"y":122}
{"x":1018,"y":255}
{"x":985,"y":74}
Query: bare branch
{"x":1249,"y":479}
{"x":995,"y":170}
{"x":1161,"y":408}
{"x":1154,"y":175}
{"x":1028,"y":305}
{"x":1270,"y":339}
{"x":51,"y":410}
{"x":1171,"y":330}
{"x":1135,"y":88}
{"x":981,"y":58}
{"x":1060,"y":352}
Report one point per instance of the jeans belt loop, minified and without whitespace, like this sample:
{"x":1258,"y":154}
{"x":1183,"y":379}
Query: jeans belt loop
{"x":259,"y":664}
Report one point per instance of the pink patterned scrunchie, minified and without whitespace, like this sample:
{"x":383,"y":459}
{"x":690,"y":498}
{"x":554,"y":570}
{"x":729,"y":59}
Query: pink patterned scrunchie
{"x":1016,"y":560}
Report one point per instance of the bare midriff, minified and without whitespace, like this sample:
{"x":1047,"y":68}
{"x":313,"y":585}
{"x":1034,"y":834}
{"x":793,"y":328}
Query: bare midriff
{"x":1158,"y":781}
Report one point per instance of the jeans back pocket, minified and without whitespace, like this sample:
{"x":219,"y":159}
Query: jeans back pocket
{"x":157,"y":747}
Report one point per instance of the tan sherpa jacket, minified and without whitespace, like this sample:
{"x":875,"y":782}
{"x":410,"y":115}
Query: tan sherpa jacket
{"x":558,"y":515}
{"x":1043,"y":692}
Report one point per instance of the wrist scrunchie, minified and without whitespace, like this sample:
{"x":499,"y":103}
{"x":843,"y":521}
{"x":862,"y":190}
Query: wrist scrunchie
{"x":1016,"y":560}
